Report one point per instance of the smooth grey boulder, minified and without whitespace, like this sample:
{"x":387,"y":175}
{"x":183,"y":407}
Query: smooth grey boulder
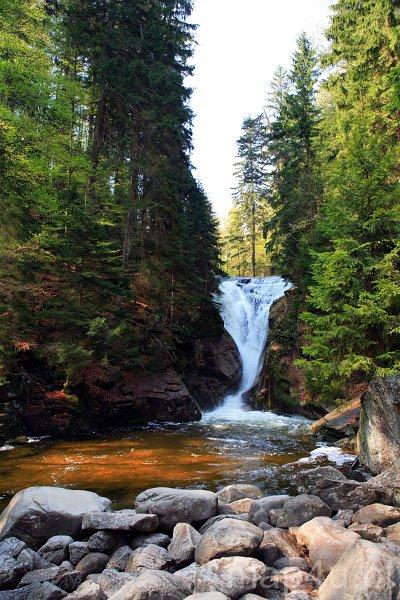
{"x":77,"y":550}
{"x":119,"y":559}
{"x":122,"y":520}
{"x":150,"y":557}
{"x":12,"y":546}
{"x":232,"y":576}
{"x":297,"y":511}
{"x":183,"y":545}
{"x":187,"y":576}
{"x":208,"y":596}
{"x":111,"y":581}
{"x":37,"y":513}
{"x":103,"y":541}
{"x":11,"y":571}
{"x":365,"y":571}
{"x":228,"y":538}
{"x":239,"y":491}
{"x":158,"y":539}
{"x":55,"y":550}
{"x":33,"y":560}
{"x":95,"y":562}
{"x":173,"y":506}
{"x":47,"y":591}
{"x":377,"y":514}
{"x":157,"y":585}
{"x":88,"y":590}
{"x":261,"y":508}
{"x":217,"y":518}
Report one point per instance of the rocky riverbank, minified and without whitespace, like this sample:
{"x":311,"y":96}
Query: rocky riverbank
{"x":339,"y":539}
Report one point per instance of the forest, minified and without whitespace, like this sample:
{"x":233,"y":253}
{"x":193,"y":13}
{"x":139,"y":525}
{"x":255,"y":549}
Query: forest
{"x":110,"y":251}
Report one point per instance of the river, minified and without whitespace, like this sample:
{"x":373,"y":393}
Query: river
{"x":230,"y":444}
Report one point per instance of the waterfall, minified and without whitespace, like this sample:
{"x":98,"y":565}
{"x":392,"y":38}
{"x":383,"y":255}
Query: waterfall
{"x":245,"y":306}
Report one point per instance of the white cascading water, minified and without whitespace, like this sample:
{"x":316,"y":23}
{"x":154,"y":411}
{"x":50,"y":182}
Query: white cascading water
{"x":245,"y":306}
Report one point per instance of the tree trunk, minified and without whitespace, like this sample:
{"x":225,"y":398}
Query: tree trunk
{"x":253,"y":238}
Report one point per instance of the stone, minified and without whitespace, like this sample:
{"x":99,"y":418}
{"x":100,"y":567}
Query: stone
{"x":11,"y":571}
{"x":77,"y":550}
{"x":12,"y":546}
{"x":281,"y":538}
{"x":367,"y":531}
{"x":48,"y":591}
{"x":380,"y":424}
{"x":102,"y":541}
{"x":88,"y":590}
{"x":55,"y":550}
{"x":284,"y":562}
{"x":111,"y":581}
{"x":297,"y":511}
{"x":326,"y":543}
{"x":261,"y":508}
{"x":122,"y":520}
{"x":24,"y":593}
{"x":365,"y":571}
{"x":232,"y":576}
{"x":158,"y":539}
{"x":251,"y":597}
{"x":341,"y":422}
{"x":390,"y":546}
{"x":338,"y":492}
{"x":37,"y":513}
{"x":150,"y":557}
{"x":387,"y":485}
{"x":184,"y":542}
{"x":343,"y":517}
{"x":173,"y":506}
{"x":208,"y":596}
{"x":187,"y":576}
{"x":69,"y":581}
{"x":392,"y":532}
{"x":66,"y":564}
{"x":232,"y":493}
{"x":293,"y":579}
{"x":120,"y":558}
{"x":377,"y":514}
{"x":241,"y":507}
{"x":40,"y":576}
{"x":33,"y":560}
{"x":228,"y":538}
{"x":268,"y":553}
{"x":94,"y":562}
{"x":298,"y":595}
{"x":157,"y":585}
{"x":217,"y":518}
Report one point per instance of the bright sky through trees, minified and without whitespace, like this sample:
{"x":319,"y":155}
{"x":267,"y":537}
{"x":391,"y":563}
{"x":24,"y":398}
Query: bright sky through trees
{"x":240,"y":44}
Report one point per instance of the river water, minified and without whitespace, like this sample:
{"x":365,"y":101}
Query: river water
{"x":230,"y":445}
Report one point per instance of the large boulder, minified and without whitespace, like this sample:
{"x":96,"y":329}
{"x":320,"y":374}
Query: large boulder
{"x":326,"y":543}
{"x":183,"y":545}
{"x":261,"y":508}
{"x":38,"y":513}
{"x":238,"y":491}
{"x":122,"y":520}
{"x":173,"y":506}
{"x":234,"y":576}
{"x":387,"y":484}
{"x":283,"y":540}
{"x":299,"y":510}
{"x":228,"y":537}
{"x":150,"y":557}
{"x":366,"y":571}
{"x":377,"y":514}
{"x":380,"y":424}
{"x":151,"y":585}
{"x":341,"y":422}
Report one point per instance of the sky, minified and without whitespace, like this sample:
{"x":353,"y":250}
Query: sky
{"x":240,"y":43}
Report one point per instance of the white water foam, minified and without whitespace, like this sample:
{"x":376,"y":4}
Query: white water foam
{"x":245,"y":306}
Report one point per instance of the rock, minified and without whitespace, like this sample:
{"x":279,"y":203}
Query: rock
{"x":12,"y":546}
{"x":77,"y":550}
{"x":187,"y":576}
{"x":390,"y":546}
{"x":123,"y":520}
{"x":343,"y":517}
{"x":232,"y":493}
{"x":241,"y":507}
{"x":102,"y":541}
{"x":173,"y":506}
{"x":364,"y":571}
{"x":120,"y":558}
{"x":392,"y":532}
{"x":234,"y":576}
{"x":94,"y":562}
{"x":33,"y":560}
{"x":41,"y":575}
{"x":261,"y":508}
{"x":88,"y":590}
{"x":37,"y":513}
{"x":48,"y":591}
{"x":69,"y":580}
{"x":284,"y":562}
{"x":338,"y":492}
{"x":387,"y":485}
{"x":184,"y":542}
{"x":298,"y":595}
{"x":326,"y":542}
{"x":380,"y":424}
{"x":24,"y":593}
{"x":111,"y":581}
{"x":377,"y":514}
{"x":150,"y":557}
{"x":251,"y":597}
{"x":208,"y":596}
{"x":217,"y":518}
{"x":228,"y":538}
{"x":268,"y":554}
{"x":367,"y":531}
{"x":341,"y":422}
{"x":157,"y":585}
{"x":55,"y":550}
{"x":11,"y":571}
{"x":299,"y":510}
{"x":292,"y":578}
{"x":66,"y":564}
{"x":281,"y":538}
{"x":158,"y":539}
